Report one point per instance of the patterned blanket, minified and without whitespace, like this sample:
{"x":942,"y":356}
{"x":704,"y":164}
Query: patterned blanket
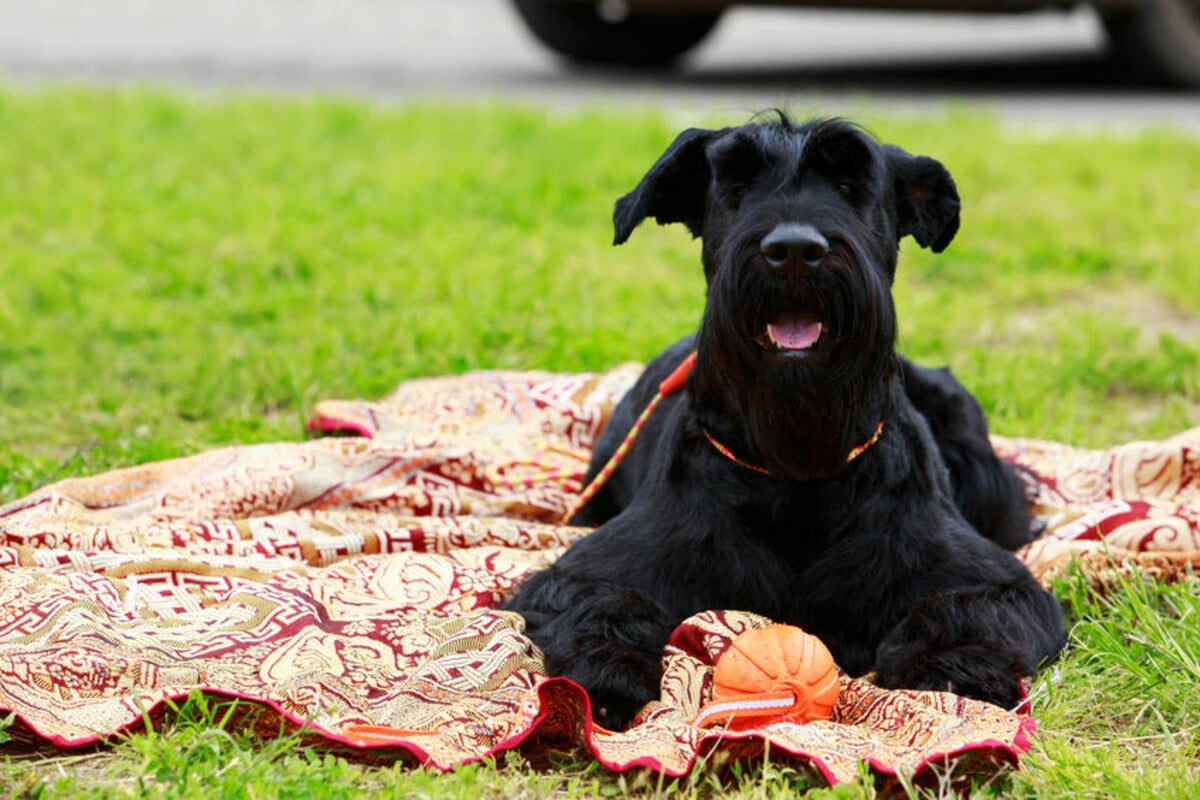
{"x":348,"y":585}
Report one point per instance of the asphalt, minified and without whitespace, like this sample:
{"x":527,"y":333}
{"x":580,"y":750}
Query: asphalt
{"x":1044,"y":68}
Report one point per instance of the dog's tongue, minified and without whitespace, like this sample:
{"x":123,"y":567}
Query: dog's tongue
{"x":797,"y":331}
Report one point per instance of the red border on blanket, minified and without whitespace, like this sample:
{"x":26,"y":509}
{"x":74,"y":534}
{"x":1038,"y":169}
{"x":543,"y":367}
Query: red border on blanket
{"x":323,"y":424}
{"x":580,"y":704}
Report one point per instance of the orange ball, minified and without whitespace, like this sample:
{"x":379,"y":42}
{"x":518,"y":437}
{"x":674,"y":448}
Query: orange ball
{"x":776,"y":660}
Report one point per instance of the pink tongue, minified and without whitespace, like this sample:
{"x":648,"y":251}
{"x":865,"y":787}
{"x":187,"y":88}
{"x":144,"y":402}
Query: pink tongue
{"x":795,"y":332}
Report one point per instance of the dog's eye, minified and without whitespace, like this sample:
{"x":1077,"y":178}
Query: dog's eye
{"x":844,"y":189}
{"x":736,"y":192}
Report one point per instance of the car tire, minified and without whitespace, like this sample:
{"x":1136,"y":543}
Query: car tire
{"x":1159,"y":40}
{"x":578,"y":31}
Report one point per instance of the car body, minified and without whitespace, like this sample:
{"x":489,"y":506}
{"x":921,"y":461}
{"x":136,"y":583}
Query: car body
{"x":1158,"y":40}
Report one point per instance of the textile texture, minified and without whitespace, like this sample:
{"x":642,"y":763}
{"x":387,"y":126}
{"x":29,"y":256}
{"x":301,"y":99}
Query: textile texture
{"x":347,"y":584}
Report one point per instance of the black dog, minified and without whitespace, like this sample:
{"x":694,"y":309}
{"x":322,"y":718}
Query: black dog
{"x":802,"y":474}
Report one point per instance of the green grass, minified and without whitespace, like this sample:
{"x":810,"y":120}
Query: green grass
{"x":178,"y":274}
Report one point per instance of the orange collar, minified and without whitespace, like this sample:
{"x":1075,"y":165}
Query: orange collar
{"x":672,"y":384}
{"x":676,"y":380}
{"x":725,"y":451}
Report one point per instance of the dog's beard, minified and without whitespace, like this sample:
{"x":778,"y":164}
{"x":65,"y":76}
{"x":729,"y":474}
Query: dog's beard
{"x":794,"y":372}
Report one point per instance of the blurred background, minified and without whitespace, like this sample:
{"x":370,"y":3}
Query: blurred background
{"x":1040,"y":64}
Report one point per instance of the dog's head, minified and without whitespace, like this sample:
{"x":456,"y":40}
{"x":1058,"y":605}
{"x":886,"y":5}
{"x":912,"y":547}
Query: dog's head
{"x":801,"y":225}
{"x":709,"y":179}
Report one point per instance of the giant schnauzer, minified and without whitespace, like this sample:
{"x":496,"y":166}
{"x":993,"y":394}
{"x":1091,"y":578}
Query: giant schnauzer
{"x":806,"y":472}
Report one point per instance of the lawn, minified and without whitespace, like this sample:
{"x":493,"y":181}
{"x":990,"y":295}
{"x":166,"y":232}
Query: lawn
{"x":183,"y":273}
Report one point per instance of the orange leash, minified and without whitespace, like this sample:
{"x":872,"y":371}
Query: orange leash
{"x":673,"y":383}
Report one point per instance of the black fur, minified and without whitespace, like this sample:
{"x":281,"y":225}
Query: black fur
{"x":897,"y":562}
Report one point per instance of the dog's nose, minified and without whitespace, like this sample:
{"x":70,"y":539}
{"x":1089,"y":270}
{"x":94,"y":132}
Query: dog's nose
{"x":794,"y":247}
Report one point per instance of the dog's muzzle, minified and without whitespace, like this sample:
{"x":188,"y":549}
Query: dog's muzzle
{"x":793,"y":250}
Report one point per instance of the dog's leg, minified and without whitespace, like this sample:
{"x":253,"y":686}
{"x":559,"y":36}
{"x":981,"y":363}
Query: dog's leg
{"x":607,"y":638}
{"x":988,"y":491}
{"x":974,"y":641}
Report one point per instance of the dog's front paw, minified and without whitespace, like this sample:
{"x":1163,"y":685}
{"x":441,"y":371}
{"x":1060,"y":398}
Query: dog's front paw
{"x":607,"y":638}
{"x":979,"y":671}
{"x":618,"y":684}
{"x":975,"y":643}
{"x":613,"y":652}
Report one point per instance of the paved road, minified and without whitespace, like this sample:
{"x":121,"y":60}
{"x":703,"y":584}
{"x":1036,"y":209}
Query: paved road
{"x":1041,"y":68}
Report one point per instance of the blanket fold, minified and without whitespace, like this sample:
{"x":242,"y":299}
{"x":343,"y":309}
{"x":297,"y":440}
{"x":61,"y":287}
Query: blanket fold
{"x":349,"y":584}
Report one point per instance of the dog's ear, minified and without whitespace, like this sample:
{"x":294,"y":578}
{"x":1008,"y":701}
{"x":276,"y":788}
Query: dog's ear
{"x":674,"y":190}
{"x":927,"y":204}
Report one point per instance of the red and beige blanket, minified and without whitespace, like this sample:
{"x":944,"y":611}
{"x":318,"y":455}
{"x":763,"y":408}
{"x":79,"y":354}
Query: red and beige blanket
{"x":348,"y":585}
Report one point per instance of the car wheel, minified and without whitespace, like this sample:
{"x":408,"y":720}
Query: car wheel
{"x":1158,"y":40}
{"x":582,"y":33}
